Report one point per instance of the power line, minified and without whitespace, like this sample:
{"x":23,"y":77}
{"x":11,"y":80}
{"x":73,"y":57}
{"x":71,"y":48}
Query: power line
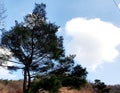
{"x":116,"y":5}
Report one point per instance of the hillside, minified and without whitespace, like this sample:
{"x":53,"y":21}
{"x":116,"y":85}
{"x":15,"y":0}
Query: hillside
{"x":16,"y":87}
{"x":10,"y":86}
{"x":13,"y":86}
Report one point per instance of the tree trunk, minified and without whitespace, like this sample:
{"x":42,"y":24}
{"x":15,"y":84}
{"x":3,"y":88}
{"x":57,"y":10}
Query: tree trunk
{"x":27,"y":80}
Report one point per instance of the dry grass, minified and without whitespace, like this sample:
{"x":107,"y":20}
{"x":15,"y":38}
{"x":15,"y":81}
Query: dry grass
{"x":16,"y":87}
{"x":11,"y":87}
{"x":3,"y":88}
{"x":87,"y":89}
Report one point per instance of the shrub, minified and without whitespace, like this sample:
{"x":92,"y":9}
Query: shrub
{"x":73,"y":82}
{"x":51,"y":83}
{"x":100,"y":87}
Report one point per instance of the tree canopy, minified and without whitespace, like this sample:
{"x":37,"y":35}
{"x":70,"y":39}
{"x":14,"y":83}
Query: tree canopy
{"x":34,"y":43}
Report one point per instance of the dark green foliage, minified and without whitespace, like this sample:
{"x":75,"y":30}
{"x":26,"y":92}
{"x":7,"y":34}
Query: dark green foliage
{"x":78,"y":71}
{"x":38,"y":50}
{"x":64,"y":66}
{"x":60,"y":78}
{"x":100,"y":87}
{"x":76,"y":78}
{"x":40,"y":10}
{"x":70,"y":75}
{"x":73,"y":82}
{"x":35,"y":86}
{"x":50,"y":83}
{"x":34,"y":44}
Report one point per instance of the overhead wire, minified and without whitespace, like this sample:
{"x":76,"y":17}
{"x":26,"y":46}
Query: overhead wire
{"x":116,"y":4}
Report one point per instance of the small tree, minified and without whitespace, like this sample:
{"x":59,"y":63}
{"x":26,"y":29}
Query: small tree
{"x":64,"y":74}
{"x":100,"y":87}
{"x":76,"y":79}
{"x":34,"y":44}
{"x":69,"y":74}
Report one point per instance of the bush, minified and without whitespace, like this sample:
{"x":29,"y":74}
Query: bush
{"x":52,"y":84}
{"x":35,"y":86}
{"x":73,"y":82}
{"x":76,"y":78}
{"x":100,"y":87}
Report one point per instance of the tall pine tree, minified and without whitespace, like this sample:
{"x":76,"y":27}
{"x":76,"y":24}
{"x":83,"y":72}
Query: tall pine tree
{"x":37,"y":49}
{"x":34,"y":44}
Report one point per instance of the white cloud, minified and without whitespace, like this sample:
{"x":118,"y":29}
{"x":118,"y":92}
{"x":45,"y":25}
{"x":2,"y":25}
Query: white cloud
{"x":119,"y":5}
{"x":92,"y":40}
{"x":5,"y":74}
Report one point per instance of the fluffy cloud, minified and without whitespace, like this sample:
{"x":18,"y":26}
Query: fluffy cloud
{"x":92,"y":40}
{"x":5,"y":74}
{"x":119,"y":5}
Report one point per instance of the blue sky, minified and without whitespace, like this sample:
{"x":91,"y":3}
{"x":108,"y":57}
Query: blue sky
{"x":91,"y":30}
